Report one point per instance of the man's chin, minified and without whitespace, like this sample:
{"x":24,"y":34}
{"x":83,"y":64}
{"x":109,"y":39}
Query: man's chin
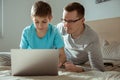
{"x":69,"y":32}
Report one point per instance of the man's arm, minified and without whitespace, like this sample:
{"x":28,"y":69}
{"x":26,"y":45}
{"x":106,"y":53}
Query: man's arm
{"x":95,"y":56}
{"x":73,"y":68}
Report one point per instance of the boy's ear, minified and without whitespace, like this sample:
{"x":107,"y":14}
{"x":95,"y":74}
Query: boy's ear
{"x":31,"y":17}
{"x":50,"y":18}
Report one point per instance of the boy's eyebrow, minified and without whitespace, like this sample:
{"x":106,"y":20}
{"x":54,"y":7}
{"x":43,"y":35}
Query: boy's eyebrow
{"x":45,"y":19}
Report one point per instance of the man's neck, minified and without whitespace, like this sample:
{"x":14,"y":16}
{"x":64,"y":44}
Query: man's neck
{"x":77,"y":34}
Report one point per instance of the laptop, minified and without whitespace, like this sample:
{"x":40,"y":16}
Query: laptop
{"x":34,"y":62}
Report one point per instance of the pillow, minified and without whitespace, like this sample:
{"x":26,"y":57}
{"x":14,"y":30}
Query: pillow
{"x":111,"y":51}
{"x":103,"y":42}
{"x":5,"y":59}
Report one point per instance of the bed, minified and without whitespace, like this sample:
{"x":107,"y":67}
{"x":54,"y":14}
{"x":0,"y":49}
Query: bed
{"x":108,"y":31}
{"x":63,"y":75}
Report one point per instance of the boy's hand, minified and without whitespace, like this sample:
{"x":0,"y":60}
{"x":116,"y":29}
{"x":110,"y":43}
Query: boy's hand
{"x":60,"y":64}
{"x":62,"y":57}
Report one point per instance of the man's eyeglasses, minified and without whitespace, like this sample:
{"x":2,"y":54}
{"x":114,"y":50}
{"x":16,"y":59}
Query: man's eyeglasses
{"x":70,"y":21}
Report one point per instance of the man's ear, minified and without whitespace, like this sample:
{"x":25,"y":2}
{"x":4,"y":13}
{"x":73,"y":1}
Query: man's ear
{"x":83,"y":20}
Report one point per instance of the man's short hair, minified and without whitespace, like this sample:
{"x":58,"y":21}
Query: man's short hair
{"x":41,"y":9}
{"x":77,"y":7}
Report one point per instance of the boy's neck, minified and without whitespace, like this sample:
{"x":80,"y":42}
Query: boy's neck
{"x":41,"y":33}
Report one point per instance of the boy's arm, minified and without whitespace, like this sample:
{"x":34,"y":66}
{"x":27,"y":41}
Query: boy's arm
{"x":24,"y":41}
{"x":62,"y":57}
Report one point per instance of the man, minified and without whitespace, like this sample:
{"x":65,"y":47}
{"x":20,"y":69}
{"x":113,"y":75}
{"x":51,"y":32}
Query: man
{"x":81,"y":42}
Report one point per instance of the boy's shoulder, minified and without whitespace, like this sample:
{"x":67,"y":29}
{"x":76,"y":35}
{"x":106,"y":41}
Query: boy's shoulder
{"x":52,"y":27}
{"x":29,"y":27}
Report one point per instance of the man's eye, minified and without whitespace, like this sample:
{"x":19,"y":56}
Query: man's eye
{"x":36,"y":22}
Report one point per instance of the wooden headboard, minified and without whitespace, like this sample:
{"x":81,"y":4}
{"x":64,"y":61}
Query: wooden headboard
{"x":109,"y":29}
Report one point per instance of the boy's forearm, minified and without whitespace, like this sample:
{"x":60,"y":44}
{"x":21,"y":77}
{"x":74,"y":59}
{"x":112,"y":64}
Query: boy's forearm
{"x":62,"y":59}
{"x":62,"y":56}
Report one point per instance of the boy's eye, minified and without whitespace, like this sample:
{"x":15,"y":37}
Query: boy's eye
{"x":44,"y":21}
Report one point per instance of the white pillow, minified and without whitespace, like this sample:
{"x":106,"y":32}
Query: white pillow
{"x":103,"y":42}
{"x":111,"y":51}
{"x":5,"y":59}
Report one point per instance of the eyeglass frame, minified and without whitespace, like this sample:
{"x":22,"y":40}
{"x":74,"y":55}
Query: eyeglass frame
{"x":70,"y":21}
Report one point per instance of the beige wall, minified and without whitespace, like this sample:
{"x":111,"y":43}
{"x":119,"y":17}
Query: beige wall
{"x":108,"y":29}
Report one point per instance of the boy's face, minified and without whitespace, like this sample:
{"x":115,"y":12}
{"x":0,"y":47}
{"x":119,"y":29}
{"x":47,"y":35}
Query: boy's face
{"x":41,"y":23}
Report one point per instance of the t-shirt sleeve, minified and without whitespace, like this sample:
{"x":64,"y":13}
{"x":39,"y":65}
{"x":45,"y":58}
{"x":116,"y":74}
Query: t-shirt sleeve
{"x":24,"y":42}
{"x":95,"y":56}
{"x":59,"y":43}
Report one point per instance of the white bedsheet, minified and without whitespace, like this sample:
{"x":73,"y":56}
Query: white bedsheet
{"x":63,"y":75}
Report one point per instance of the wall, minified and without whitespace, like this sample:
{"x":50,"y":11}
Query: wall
{"x":94,"y":11}
{"x":0,"y":18}
{"x":57,"y":8}
{"x":107,"y":29}
{"x":109,"y":9}
{"x":16,"y":15}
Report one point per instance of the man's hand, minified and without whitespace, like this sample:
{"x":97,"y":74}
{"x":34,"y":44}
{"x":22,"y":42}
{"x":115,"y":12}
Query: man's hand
{"x":72,"y":68}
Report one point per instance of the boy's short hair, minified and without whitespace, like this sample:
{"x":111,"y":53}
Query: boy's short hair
{"x":77,"y":7}
{"x":41,"y":9}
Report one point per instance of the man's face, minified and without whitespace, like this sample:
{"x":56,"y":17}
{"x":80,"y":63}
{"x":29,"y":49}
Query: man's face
{"x":72,"y":23}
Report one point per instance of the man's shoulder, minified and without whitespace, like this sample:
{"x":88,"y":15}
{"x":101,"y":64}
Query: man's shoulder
{"x":60,"y":25}
{"x":92,"y":34}
{"x":90,"y":31}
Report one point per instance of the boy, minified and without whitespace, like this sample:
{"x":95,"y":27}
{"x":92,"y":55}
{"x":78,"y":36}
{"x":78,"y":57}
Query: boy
{"x":41,"y":34}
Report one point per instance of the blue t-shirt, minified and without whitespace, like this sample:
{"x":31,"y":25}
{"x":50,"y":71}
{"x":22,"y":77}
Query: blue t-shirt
{"x":30,"y":39}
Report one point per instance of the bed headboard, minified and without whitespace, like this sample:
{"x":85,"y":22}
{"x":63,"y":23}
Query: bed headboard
{"x":109,"y":29}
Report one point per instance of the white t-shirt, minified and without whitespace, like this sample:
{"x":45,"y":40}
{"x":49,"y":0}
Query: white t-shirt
{"x":85,"y":48}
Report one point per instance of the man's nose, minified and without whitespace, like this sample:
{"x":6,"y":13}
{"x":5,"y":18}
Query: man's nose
{"x":66,"y":24}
